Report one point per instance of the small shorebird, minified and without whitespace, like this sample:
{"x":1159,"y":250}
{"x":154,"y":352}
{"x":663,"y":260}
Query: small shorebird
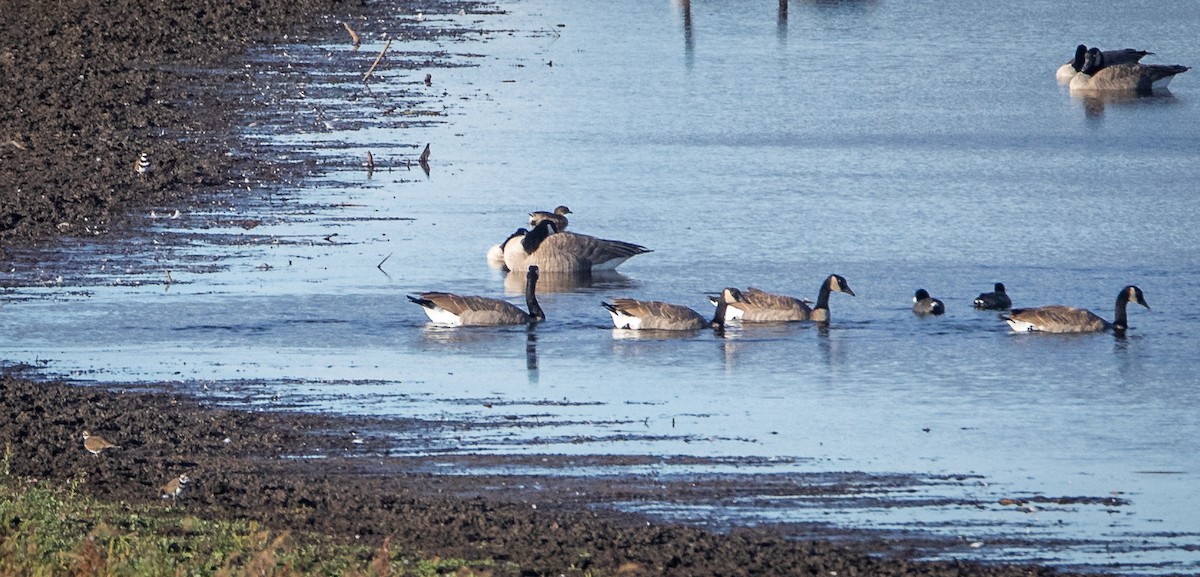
{"x":174,"y":487}
{"x":142,"y":166}
{"x":95,"y":445}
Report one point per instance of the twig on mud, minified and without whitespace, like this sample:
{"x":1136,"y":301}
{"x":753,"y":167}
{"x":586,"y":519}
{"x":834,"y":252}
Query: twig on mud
{"x":385,"y":259}
{"x":377,"y":59}
{"x":353,"y":34}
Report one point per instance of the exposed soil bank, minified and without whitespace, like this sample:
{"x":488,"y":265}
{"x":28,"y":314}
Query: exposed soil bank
{"x":88,"y":86}
{"x":242,"y":466}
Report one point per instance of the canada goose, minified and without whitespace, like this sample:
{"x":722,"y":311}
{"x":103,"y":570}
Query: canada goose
{"x":923,"y":304}
{"x":495,"y":253}
{"x":1107,"y":58}
{"x":558,"y":217}
{"x":456,"y":310}
{"x":997,"y":300}
{"x":554,"y":251}
{"x":1064,"y":319}
{"x":759,"y":306}
{"x":1135,"y":77}
{"x":655,"y":315}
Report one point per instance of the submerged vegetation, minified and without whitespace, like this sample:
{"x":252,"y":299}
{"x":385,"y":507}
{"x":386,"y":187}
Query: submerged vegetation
{"x":53,"y":529}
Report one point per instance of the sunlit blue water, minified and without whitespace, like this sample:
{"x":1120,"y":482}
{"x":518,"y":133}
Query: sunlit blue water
{"x":902,"y":145}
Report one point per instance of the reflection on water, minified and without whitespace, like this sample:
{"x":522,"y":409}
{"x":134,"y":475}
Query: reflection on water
{"x":569,"y":282}
{"x":1095,"y":103}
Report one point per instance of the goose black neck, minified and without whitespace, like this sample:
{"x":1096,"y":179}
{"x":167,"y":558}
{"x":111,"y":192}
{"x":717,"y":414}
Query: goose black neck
{"x":535,"y":237}
{"x":718,"y":320}
{"x":1121,"y":321}
{"x":535,"y":310}
{"x":1080,"y":52}
{"x":823,"y":295}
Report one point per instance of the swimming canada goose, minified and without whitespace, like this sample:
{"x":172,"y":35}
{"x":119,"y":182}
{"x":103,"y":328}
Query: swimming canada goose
{"x":455,"y":310}
{"x":655,"y":315}
{"x":554,"y":251}
{"x":1135,"y":77}
{"x":759,"y":306}
{"x":1064,"y":319}
{"x":558,"y":217}
{"x":923,"y":304}
{"x":996,"y":300}
{"x":1107,"y":58}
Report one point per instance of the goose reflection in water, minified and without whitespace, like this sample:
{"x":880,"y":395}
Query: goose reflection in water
{"x":1094,"y":104}
{"x":568,"y":282}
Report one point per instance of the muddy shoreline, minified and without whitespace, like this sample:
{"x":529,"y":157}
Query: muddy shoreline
{"x":94,"y":87}
{"x":304,"y":472}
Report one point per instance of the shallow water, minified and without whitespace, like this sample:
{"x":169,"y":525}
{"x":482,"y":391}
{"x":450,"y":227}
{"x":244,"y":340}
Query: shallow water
{"x":900,"y":145}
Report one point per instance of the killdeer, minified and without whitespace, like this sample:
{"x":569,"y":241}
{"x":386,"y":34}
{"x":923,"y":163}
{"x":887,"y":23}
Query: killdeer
{"x":174,"y":487}
{"x":95,"y":444}
{"x":142,"y":166}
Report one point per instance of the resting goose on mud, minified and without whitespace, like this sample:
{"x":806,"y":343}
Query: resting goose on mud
{"x":456,"y":310}
{"x":655,"y":315}
{"x":1064,"y":319}
{"x":554,"y":251}
{"x":1139,"y":78}
{"x":759,"y":306}
{"x":558,"y":217}
{"x":995,"y":300}
{"x":923,"y":304}
{"x":1107,"y":58}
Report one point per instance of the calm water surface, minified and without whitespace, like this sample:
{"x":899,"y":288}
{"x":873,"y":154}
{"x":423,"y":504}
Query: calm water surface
{"x":900,"y":144}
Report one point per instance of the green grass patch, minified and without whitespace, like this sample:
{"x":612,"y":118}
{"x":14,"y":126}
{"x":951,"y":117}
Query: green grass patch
{"x":53,"y":529}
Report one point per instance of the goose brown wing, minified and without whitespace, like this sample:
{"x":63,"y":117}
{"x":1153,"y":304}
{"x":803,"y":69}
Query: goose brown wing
{"x":660,"y":315}
{"x":760,"y":305}
{"x":477,"y":310}
{"x":1060,"y":319}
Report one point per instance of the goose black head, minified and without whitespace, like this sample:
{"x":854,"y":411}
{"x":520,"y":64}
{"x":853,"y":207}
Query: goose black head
{"x":1093,"y":61}
{"x":921,"y":295}
{"x":1000,"y":288}
{"x":838,"y":282}
{"x":1134,"y":295}
{"x":1080,"y":54}
{"x":534,"y":238}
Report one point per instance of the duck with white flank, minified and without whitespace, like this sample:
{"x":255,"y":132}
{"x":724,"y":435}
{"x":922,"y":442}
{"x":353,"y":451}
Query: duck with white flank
{"x":923,"y":304}
{"x":995,"y":300}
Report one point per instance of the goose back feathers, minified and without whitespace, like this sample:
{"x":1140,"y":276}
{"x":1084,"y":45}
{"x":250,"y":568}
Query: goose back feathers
{"x":1064,"y":319}
{"x":458,"y":310}
{"x":554,"y":251}
{"x":1107,"y":58}
{"x":1096,"y":76}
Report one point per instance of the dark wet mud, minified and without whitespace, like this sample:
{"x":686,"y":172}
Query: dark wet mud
{"x":306,"y":472}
